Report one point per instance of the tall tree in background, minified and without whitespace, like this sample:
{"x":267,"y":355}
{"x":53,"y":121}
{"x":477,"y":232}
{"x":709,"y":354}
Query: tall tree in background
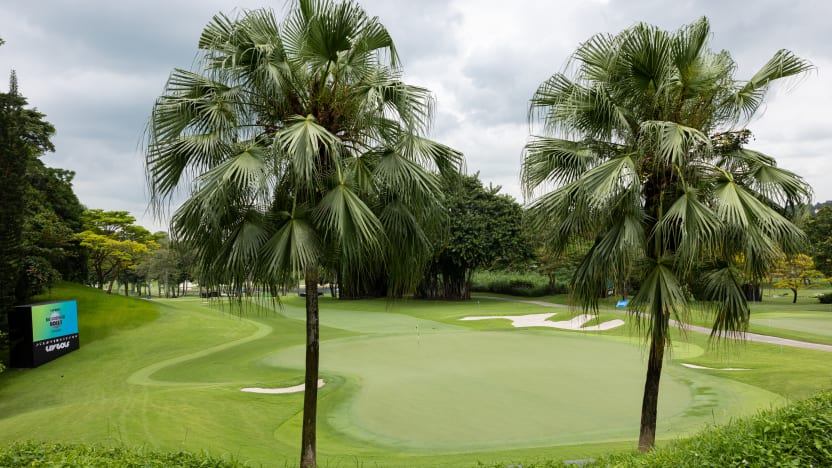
{"x":52,"y":218}
{"x":633,"y":147}
{"x":819,"y":230}
{"x":24,"y":135}
{"x":300,"y":146}
{"x":484,"y":231}
{"x":114,"y":244}
{"x":795,"y":272}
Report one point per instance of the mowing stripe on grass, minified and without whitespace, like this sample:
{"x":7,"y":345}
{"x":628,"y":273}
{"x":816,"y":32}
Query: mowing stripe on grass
{"x":144,"y":376}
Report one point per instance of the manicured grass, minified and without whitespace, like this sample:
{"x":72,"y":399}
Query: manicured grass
{"x":408,"y":384}
{"x":101,"y":315}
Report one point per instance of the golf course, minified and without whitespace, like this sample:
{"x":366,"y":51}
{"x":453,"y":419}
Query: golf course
{"x":405,"y":383}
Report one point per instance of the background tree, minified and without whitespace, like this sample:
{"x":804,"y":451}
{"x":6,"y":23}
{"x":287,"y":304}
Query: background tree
{"x":302,"y":148}
{"x":52,"y":218}
{"x":795,"y":272}
{"x":819,"y":231}
{"x":24,"y":136}
{"x":484,"y":231}
{"x":631,"y":150}
{"x":114,"y":244}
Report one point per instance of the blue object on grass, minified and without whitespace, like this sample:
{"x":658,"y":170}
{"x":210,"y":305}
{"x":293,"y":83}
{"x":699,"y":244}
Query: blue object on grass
{"x":622,"y":303}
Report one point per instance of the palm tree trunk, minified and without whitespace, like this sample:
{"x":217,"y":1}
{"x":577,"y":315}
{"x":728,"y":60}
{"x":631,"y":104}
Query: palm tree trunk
{"x":310,"y":393}
{"x":650,"y":402}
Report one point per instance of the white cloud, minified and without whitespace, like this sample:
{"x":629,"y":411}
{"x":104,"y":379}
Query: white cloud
{"x":95,"y":67}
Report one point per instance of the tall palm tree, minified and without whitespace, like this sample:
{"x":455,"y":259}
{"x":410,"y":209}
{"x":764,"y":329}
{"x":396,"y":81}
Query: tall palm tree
{"x":643,"y":150}
{"x":299,"y":148}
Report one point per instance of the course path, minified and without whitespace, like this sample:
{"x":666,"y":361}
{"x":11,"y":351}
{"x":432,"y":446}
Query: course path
{"x":745,"y":336}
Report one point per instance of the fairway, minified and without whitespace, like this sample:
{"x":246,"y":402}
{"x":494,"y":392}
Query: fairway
{"x":817,"y":323}
{"x":407,"y":384}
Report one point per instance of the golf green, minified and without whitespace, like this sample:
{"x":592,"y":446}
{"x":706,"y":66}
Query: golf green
{"x":446,"y":388}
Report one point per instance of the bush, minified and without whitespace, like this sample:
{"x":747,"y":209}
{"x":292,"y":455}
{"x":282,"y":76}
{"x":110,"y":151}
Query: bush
{"x":71,"y":456}
{"x":515,"y":284}
{"x":825,"y":298}
{"x":796,"y":435}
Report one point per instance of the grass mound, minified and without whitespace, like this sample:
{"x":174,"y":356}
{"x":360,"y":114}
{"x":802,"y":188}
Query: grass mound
{"x":101,"y":314}
{"x":795,"y":435}
{"x":70,"y":456}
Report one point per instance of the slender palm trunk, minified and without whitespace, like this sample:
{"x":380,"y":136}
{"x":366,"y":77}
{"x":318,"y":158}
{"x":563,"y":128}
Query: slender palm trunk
{"x":650,"y":402}
{"x":310,"y":393}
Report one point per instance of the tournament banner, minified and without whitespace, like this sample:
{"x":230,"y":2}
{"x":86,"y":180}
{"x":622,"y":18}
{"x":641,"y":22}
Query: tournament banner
{"x":43,"y":332}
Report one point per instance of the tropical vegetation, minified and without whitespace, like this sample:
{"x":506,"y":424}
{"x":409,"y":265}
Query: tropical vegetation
{"x":643,"y":139}
{"x":484,"y":231}
{"x":301,"y":150}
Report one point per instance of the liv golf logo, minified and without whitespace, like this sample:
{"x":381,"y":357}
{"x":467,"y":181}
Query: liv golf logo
{"x":55,"y":319}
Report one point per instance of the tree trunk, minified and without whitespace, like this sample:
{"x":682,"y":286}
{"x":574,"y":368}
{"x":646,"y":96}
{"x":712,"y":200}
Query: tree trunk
{"x":310,"y":392}
{"x":126,"y":288}
{"x":650,"y":402}
{"x":794,"y":301}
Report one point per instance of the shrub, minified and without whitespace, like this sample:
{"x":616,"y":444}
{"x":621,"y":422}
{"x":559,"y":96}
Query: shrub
{"x":825,"y":298}
{"x":796,"y":435}
{"x":516,"y":284}
{"x":70,"y":456}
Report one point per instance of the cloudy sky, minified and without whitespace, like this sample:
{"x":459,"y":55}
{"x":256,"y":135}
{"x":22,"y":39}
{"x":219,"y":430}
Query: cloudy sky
{"x":94,"y":67}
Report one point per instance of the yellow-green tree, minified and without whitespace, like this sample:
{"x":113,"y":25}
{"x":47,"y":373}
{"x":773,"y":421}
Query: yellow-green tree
{"x":795,"y":272}
{"x":115,"y":243}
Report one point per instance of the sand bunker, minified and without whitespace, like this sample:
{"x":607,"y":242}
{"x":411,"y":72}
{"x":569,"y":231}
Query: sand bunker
{"x":295,"y":389}
{"x":540,"y":320}
{"x":694,"y":366}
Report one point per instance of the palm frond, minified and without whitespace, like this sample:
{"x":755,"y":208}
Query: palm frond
{"x":746,"y":100}
{"x":723,"y":289}
{"x":553,"y":160}
{"x":675,"y":143}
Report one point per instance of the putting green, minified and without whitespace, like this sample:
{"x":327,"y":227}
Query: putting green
{"x":452,"y":389}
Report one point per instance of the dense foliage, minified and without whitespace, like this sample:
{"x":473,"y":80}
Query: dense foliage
{"x":819,"y":230}
{"x":523,"y":284}
{"x":796,"y":435}
{"x":115,"y":245}
{"x":78,"y":456}
{"x":484,"y":231}
{"x":24,"y":136}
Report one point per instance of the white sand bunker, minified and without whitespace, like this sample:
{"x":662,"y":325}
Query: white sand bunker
{"x":295,"y":389}
{"x":694,"y":366}
{"x":540,"y":320}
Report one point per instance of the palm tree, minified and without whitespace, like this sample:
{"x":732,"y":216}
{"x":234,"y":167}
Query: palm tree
{"x":643,"y":148}
{"x":300,"y":148}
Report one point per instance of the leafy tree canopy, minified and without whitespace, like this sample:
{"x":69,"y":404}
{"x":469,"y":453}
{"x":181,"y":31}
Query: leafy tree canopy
{"x":819,"y":230}
{"x":484,"y":231}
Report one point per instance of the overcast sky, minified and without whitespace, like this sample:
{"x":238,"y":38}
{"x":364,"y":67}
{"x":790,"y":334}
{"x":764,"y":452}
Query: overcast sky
{"x":95,"y":67}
